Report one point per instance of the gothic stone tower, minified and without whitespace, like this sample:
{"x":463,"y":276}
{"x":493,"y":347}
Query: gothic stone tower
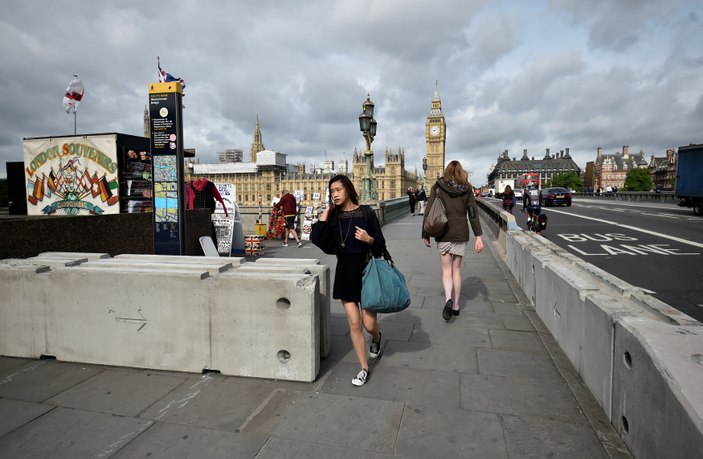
{"x":435,"y":138}
{"x":258,"y":144}
{"x":147,"y":126}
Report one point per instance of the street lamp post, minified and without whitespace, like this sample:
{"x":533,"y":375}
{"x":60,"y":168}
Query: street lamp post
{"x":424,"y":173}
{"x":367,"y":125}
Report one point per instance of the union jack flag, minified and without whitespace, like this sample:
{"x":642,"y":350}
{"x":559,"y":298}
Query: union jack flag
{"x":165,"y":77}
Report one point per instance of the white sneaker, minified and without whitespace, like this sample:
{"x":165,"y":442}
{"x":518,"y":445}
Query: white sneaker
{"x":284,"y":244}
{"x":360,"y":379}
{"x":300,"y":244}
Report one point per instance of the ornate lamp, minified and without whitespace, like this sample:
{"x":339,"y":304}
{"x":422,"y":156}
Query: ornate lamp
{"x":367,"y":125}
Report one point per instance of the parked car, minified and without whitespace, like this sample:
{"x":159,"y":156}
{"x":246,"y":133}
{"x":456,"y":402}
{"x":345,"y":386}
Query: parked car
{"x":556,"y":196}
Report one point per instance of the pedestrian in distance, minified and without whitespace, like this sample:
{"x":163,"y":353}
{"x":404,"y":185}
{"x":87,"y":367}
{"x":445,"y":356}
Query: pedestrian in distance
{"x":456,"y":193}
{"x":351,"y":231}
{"x":421,"y":198}
{"x":411,"y":199}
{"x":289,"y":206}
{"x":508,"y":199}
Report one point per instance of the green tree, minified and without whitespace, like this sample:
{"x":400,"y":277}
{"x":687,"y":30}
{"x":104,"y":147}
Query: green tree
{"x":638,"y":180}
{"x":568,"y":180}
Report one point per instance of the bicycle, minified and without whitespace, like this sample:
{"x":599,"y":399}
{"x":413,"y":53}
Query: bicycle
{"x":536,"y":220}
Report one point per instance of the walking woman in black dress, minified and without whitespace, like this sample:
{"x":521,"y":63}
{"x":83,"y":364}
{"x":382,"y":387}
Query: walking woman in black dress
{"x":351,"y":231}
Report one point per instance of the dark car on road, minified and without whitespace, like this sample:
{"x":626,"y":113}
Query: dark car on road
{"x":556,"y":196}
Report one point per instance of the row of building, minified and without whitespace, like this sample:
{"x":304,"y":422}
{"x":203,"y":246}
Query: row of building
{"x":608,"y":170}
{"x":266,"y":173}
{"x":262,"y":178}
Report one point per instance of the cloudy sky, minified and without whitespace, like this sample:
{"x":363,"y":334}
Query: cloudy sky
{"x":512,"y":74}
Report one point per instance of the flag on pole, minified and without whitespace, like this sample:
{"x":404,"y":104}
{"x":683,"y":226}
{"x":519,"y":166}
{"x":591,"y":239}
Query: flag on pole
{"x":74,"y":95}
{"x":165,"y":77}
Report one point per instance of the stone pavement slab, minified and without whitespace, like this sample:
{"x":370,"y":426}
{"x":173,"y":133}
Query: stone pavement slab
{"x":69,"y":433}
{"x":490,"y":383}
{"x":16,"y":413}
{"x":123,"y":393}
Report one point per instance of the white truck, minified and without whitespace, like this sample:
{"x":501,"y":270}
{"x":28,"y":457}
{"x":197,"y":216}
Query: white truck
{"x":500,"y":185}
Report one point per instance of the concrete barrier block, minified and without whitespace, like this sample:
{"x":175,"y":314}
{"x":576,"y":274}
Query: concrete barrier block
{"x":57,"y":262}
{"x":657,"y":396}
{"x":565,"y":315}
{"x":22,"y":303}
{"x":323,"y":273}
{"x":600,"y":314}
{"x":263,"y":269}
{"x":88,"y":255}
{"x":129,"y":317}
{"x":618,"y":285}
{"x":212,"y":269}
{"x":179,"y":259}
{"x":266,"y":327}
{"x":661,"y":310}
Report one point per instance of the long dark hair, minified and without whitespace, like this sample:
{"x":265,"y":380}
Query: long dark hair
{"x":347,"y":184}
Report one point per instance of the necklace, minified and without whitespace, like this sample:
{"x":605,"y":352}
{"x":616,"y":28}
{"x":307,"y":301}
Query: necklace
{"x":343,"y":241}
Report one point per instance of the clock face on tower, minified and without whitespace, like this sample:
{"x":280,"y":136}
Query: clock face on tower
{"x":434,"y":131}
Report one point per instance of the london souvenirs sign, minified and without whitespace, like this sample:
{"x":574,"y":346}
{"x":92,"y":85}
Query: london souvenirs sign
{"x":71,"y":175}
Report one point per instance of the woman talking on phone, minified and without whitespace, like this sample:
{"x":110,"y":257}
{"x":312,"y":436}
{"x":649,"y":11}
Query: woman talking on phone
{"x":351,"y":231}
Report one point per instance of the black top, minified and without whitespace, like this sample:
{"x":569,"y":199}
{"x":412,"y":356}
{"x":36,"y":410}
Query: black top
{"x":336,"y":234}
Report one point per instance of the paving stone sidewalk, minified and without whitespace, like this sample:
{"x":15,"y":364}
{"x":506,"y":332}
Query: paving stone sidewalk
{"x":492,"y":383}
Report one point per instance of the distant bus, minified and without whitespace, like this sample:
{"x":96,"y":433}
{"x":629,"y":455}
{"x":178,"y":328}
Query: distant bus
{"x":524,"y":180}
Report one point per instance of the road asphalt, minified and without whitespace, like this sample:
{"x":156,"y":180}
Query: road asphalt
{"x":491,"y":383}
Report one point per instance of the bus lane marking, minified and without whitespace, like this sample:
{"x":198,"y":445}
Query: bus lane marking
{"x":634,"y":228}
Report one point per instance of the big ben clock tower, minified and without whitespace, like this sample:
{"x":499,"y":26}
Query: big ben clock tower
{"x":435,"y":138}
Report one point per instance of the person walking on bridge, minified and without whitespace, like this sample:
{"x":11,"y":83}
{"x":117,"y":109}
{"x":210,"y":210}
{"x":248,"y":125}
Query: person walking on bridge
{"x":289,"y":205}
{"x":508,"y":199}
{"x":421,"y":198}
{"x":411,"y":199}
{"x":350,"y":231}
{"x":457,"y":195}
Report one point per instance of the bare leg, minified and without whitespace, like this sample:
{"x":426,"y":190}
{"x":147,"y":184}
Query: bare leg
{"x":456,"y":279}
{"x":356,"y":333}
{"x":370,"y":320}
{"x":447,"y":276}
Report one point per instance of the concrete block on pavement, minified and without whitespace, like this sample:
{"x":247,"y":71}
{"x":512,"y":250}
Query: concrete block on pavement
{"x":265,"y":326}
{"x":145,"y":318}
{"x":323,"y":272}
{"x":657,"y":396}
{"x":178,"y":259}
{"x":112,"y":263}
{"x":88,"y":255}
{"x":59,"y":261}
{"x":22,"y":317}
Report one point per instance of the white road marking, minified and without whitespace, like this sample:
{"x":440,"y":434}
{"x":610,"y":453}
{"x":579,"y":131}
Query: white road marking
{"x":633,"y":228}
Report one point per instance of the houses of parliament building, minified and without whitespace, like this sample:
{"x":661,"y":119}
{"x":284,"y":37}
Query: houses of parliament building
{"x":262,"y":178}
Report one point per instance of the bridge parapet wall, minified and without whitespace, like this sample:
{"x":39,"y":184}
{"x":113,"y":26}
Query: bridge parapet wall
{"x":641,"y":359}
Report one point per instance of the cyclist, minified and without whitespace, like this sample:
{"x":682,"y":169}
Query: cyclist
{"x":532,"y":202}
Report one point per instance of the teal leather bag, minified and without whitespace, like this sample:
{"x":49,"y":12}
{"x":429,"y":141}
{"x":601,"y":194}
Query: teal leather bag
{"x":384,"y":288}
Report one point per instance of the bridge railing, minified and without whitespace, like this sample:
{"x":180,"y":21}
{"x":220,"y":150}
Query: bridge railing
{"x":639,"y":196}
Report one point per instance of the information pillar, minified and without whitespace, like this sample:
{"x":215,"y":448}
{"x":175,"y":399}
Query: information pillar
{"x":165,"y":112}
